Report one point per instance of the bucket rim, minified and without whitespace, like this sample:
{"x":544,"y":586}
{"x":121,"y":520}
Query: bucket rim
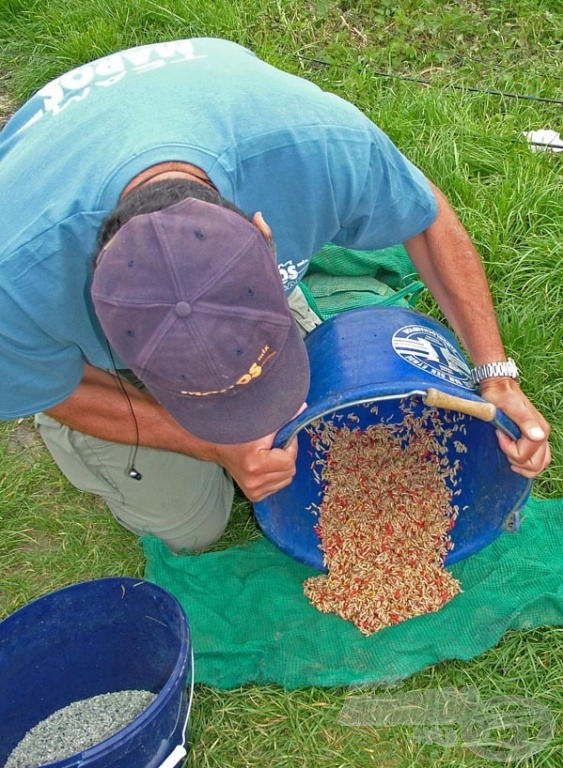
{"x":364,"y":395}
{"x":322,"y":408}
{"x":75,"y":586}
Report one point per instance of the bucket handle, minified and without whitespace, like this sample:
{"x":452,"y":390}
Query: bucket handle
{"x":432,"y":397}
{"x":437,"y":399}
{"x":180,"y":751}
{"x":174,"y":757}
{"x":480,"y":409}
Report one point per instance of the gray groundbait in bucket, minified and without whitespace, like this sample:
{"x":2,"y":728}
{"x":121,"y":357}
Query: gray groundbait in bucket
{"x":99,"y":637}
{"x":367,"y":366}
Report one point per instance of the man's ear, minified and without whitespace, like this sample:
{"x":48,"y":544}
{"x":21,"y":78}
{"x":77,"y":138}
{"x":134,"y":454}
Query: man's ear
{"x":259,"y":221}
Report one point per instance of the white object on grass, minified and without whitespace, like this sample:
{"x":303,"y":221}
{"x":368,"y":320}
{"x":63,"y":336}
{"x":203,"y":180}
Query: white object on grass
{"x":544,"y":140}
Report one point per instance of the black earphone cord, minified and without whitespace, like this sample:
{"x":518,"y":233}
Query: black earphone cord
{"x":133,"y":472}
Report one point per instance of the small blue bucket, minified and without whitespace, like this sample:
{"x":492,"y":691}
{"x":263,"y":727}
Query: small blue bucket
{"x":96,"y":637}
{"x":366,"y":366}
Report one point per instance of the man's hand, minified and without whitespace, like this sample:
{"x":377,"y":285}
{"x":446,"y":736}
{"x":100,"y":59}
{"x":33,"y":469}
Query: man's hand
{"x":529,"y":455}
{"x":258,"y":469}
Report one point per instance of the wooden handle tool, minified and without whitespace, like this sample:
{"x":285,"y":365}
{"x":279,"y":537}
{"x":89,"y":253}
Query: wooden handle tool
{"x":436,"y":399}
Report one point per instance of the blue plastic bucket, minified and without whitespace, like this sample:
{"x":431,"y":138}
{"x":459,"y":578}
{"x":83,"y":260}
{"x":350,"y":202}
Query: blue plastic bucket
{"x":366,"y":365}
{"x":96,"y":637}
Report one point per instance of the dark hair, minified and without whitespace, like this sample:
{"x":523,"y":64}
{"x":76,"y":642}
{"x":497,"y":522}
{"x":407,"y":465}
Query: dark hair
{"x":156,"y":196}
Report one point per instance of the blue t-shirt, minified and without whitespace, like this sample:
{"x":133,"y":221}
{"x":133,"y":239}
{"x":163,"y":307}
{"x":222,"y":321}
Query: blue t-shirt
{"x":315,"y":166}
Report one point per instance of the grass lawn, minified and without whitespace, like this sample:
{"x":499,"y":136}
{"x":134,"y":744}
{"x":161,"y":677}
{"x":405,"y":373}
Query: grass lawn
{"x":429,"y":72}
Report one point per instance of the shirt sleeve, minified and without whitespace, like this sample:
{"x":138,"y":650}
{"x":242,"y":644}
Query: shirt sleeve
{"x":37,"y":372}
{"x":396,"y":202}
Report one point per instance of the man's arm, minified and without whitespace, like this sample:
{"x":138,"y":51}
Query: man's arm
{"x":99,"y":408}
{"x":450,"y":266}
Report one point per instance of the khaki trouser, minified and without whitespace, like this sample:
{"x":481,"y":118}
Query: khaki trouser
{"x":183,"y":501}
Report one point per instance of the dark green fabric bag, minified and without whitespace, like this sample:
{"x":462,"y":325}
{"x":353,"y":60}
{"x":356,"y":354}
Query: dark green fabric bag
{"x":339,"y":279}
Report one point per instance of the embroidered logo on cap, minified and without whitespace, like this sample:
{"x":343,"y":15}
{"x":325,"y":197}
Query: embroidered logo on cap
{"x":254,"y":372}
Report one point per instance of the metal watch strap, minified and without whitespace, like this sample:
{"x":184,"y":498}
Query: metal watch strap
{"x":495,"y":371}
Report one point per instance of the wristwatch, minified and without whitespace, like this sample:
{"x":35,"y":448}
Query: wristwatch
{"x":495,"y":371}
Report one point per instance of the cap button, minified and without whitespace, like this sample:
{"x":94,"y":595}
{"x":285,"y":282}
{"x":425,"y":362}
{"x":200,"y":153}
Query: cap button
{"x":182,"y":309}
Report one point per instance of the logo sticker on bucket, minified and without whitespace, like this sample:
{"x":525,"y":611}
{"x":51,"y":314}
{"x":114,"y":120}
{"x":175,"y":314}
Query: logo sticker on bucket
{"x":433,"y":353}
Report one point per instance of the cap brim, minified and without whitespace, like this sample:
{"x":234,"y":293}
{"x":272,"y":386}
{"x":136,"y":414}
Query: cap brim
{"x":251,"y":411}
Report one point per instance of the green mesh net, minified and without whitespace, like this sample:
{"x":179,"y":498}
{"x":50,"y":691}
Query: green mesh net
{"x":251,"y":622}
